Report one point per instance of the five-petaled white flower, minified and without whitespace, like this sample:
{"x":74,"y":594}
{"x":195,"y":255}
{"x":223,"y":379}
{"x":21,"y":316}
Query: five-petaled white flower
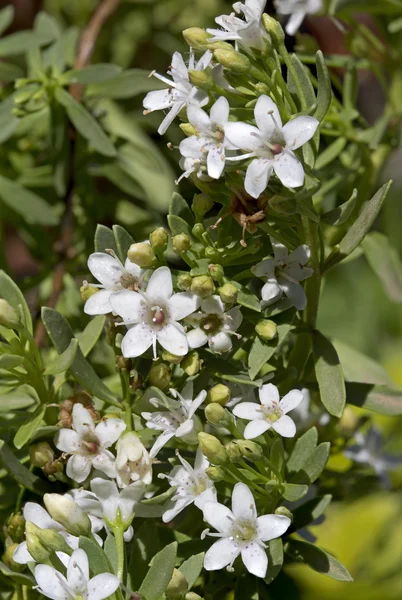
{"x":77,"y":584}
{"x":248,"y":33}
{"x":213,"y":325}
{"x":113,"y":277}
{"x":297,"y":9}
{"x":179,"y":420}
{"x":271,"y":146}
{"x":153,"y":316}
{"x":181,"y":92}
{"x":283,"y":274}
{"x":133,"y":462}
{"x":209,"y":140}
{"x":272,"y":412}
{"x":241,"y":532}
{"x":192,"y":485}
{"x":88,"y":444}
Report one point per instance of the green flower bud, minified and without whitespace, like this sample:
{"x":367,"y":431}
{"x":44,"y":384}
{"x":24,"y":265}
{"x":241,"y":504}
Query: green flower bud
{"x":211,"y":254}
{"x":123,"y":363}
{"x":219,"y":394}
{"x":87,"y":291}
{"x":8,"y":316}
{"x":215,"y":473}
{"x":142,"y":255}
{"x":233,"y":451}
{"x":202,"y":203}
{"x":220,"y":46}
{"x":181,"y":243}
{"x":177,"y":586}
{"x":216,"y":271}
{"x":211,"y":447}
{"x":51,"y":539}
{"x":233,"y":61}
{"x":184,"y":281}
{"x":282,"y":510}
{"x":274,"y":29}
{"x":196,"y":38}
{"x":228,"y":293}
{"x":191,"y":363}
{"x":283,"y":206}
{"x":7,"y":558}
{"x":266,"y":329}
{"x":16,"y":527}
{"x":171,"y":358}
{"x":188,"y":129}
{"x":160,"y":375}
{"x":201,"y":79}
{"x":158,"y":238}
{"x":67,"y":512}
{"x":262,"y":88}
{"x":40,"y":454}
{"x":203,"y":286}
{"x":36,"y":549}
{"x":198,"y":230}
{"x":250,"y":450}
{"x":215,"y":413}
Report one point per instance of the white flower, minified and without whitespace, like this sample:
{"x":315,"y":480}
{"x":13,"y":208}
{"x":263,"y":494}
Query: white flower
{"x":272,"y":412}
{"x":192,"y":165}
{"x":181,"y":92}
{"x":90,"y":505}
{"x":283,"y":274}
{"x":179,"y":420}
{"x":113,"y":276}
{"x":248,"y":33}
{"x":77,"y":584}
{"x":297,"y":9}
{"x":133,"y":462}
{"x":153,"y":316}
{"x":209,"y":140}
{"x":88,"y":444}
{"x":214,"y":325}
{"x":192,"y":485}
{"x":241,"y":532}
{"x":271,"y":146}
{"x":37,"y":515}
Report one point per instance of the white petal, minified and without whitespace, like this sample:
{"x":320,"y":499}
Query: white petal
{"x":99,"y":303}
{"x":301,"y":255}
{"x":129,"y":497}
{"x":216,"y":161}
{"x":248,"y":410}
{"x":172,"y":339}
{"x":220,"y":111}
{"x":204,"y":61}
{"x":201,"y":462}
{"x":105,"y":268}
{"x":257,"y":176}
{"x":208,"y":495}
{"x":82,"y":420}
{"x":196,"y":403}
{"x":132,"y":268}
{"x":243,"y":504}
{"x":185,"y":428}
{"x":50,"y":583}
{"x":197,"y":338}
{"x":179,"y":69}
{"x":255,"y":559}
{"x":188,"y":391}
{"x":160,"y":442}
{"x":137,"y":340}
{"x":108,"y":495}
{"x":183,"y":304}
{"x":271,"y":291}
{"x":270,"y":527}
{"x":102,"y":586}
{"x":265,"y":268}
{"x":178,"y":506}
{"x":256,"y":428}
{"x":104,"y":462}
{"x":289,"y":169}
{"x":263,"y":109}
{"x":39,"y":516}
{"x":198,"y":118}
{"x":242,"y":135}
{"x":78,"y":468}
{"x":294,"y":22}
{"x":221,"y":554}
{"x":160,"y":285}
{"x":220,"y":343}
{"x":158,"y":100}
{"x":67,"y":440}
{"x":78,"y":571}
{"x":299,"y":131}
{"x":290,"y":401}
{"x":128,"y":534}
{"x":170,"y":117}
{"x":234,"y":318}
{"x":213,"y":305}
{"x":21,"y":554}
{"x":218,"y":516}
{"x":191,"y":147}
{"x":280,"y":251}
{"x":285,"y":426}
{"x":295,"y":292}
{"x":269,"y":395}
{"x":109,"y":431}
{"x":129,"y":305}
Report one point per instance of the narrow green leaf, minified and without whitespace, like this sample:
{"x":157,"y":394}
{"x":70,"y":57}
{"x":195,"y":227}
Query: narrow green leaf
{"x":21,"y":474}
{"x":262,"y":351}
{"x":26,"y":430}
{"x":330,"y":153}
{"x":303,"y":449}
{"x":97,"y":557}
{"x":324,"y":94}
{"x":275,"y":559}
{"x":340,"y":214}
{"x":9,"y":72}
{"x":309,"y":511}
{"x":293,"y":491}
{"x":277,"y":454}
{"x":64,"y":361}
{"x":20,"y":578}
{"x":192,"y":568}
{"x":360,"y":368}
{"x":385,"y":262}
{"x":329,"y":375}
{"x":160,"y":573}
{"x":10,"y":361}
{"x":317,"y":559}
{"x":180,"y":208}
{"x":23,"y":41}
{"x":15,"y":401}
{"x":92,"y":332}
{"x":128,"y":84}
{"x":145,"y":545}
{"x":92,"y":73}
{"x":303,"y":74}
{"x":111,"y":551}
{"x":105,"y":239}
{"x":378,"y":398}
{"x":6,"y":18}
{"x":247,"y":299}
{"x":123,"y":241}
{"x":178,"y":225}
{"x":28,"y":204}
{"x":12,"y":293}
{"x":312,"y":468}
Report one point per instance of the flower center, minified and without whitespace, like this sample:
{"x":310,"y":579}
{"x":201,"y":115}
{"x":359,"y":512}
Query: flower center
{"x":158,"y":316}
{"x":211,"y":324}
{"x":272,"y":414}
{"x":244,"y":531}
{"x":276,"y":149}
{"x":90,"y":446}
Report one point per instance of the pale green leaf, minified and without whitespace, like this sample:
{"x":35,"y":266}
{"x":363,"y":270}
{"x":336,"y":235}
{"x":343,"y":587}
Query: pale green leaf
{"x":329,"y":375}
{"x":324,"y":94}
{"x":341,"y":214}
{"x":64,"y":361}
{"x":92,"y":332}
{"x":385,"y":262}
{"x":26,"y":430}
{"x":192,"y":568}
{"x":128,"y":84}
{"x":123,"y":241}
{"x":92,"y":73}
{"x":317,"y":559}
{"x":21,"y":474}
{"x":160,"y":573}
{"x":11,"y":292}
{"x":27,"y":204}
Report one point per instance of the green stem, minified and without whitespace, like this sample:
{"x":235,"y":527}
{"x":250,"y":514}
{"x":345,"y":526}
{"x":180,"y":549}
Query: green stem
{"x":313,"y":283}
{"x":234,"y":471}
{"x":119,"y":539}
{"x":128,"y":415}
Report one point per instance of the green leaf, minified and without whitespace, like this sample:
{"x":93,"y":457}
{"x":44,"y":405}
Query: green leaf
{"x":97,"y":558}
{"x":15,"y":401}
{"x":92,"y":73}
{"x":12,"y":293}
{"x":329,"y":375}
{"x":111,"y":551}
{"x":26,"y":430}
{"x":145,"y":545}
{"x":178,"y":225}
{"x":324,"y":94}
{"x":123,"y":241}
{"x":23,"y":41}
{"x":20,"y":578}
{"x":28,"y":204}
{"x":309,"y":511}
{"x":192,"y":568}
{"x":61,"y":335}
{"x":9,"y":72}
{"x":92,"y":332}
{"x":293,"y":491}
{"x":312,"y":468}
{"x":277,"y":454}
{"x":105,"y":239}
{"x":21,"y":474}
{"x":340,"y":214}
{"x":317,"y":559}
{"x":360,"y":368}
{"x":262,"y":351}
{"x":247,"y":299}
{"x":160,"y":573}
{"x":6,"y":18}
{"x":378,"y":398}
{"x":330,"y":153}
{"x":275,"y":559}
{"x":10,"y":361}
{"x":128,"y":84}
{"x":64,"y":361}
{"x":180,"y":208}
{"x":84,"y":122}
{"x":303,"y":74}
{"x":303,"y":449}
{"x":385,"y":262}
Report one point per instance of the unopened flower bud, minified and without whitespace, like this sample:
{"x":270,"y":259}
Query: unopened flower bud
{"x":261,"y":89}
{"x":274,"y":29}
{"x":250,"y":450}
{"x":233,"y":451}
{"x":219,"y":393}
{"x":283,"y":206}
{"x":177,"y":586}
{"x":215,"y":473}
{"x":40,"y":454}
{"x":158,"y":238}
{"x":202,"y":203}
{"x":87,"y":291}
{"x":201,"y":79}
{"x":16,"y":527}
{"x":228,"y":293}
{"x":211,"y":254}
{"x":233,"y":61}
{"x":266,"y":329}
{"x":215,"y":413}
{"x":203,"y":286}
{"x":8,"y":316}
{"x":220,"y":45}
{"x":191,"y":363}
{"x":198,"y":230}
{"x":284,"y":512}
{"x":188,"y":129}
{"x":50,"y":539}
{"x":216,"y":271}
{"x":211,"y":447}
{"x":181,"y":243}
{"x":196,"y":38}
{"x":142,"y":255}
{"x":8,"y":560}
{"x":184,"y":281}
{"x":123,"y":363}
{"x":160,"y":375}
{"x":36,"y":549}
{"x":67,"y":512}
{"x":171,"y":358}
